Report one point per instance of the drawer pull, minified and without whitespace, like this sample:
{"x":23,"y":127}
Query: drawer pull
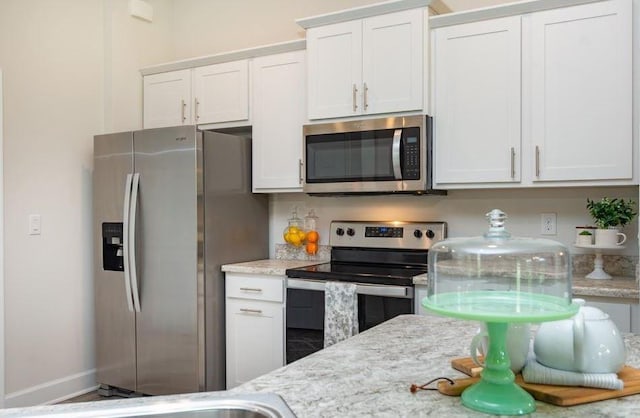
{"x":251,"y":289}
{"x":253,"y":311}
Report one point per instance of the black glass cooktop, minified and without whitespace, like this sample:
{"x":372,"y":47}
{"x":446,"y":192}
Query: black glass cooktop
{"x":359,"y":273}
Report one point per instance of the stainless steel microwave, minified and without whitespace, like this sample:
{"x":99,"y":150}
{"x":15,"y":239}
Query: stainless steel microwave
{"x":376,"y":156}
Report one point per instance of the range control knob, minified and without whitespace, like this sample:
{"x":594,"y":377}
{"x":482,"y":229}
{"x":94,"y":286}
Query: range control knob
{"x":430,"y":234}
{"x":351,"y":232}
{"x":417,"y":233}
{"x":340,"y":232}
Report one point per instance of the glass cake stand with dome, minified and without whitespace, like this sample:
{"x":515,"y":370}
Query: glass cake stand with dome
{"x":499,"y":279}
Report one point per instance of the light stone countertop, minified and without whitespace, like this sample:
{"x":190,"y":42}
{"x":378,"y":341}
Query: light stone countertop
{"x":267,"y":267}
{"x":370,"y":375}
{"x":618,"y":287}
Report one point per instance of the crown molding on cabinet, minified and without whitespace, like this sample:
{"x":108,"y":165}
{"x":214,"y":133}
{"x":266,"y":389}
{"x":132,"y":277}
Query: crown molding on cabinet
{"x":239,"y":54}
{"x":362,"y":12}
{"x":504,"y":10}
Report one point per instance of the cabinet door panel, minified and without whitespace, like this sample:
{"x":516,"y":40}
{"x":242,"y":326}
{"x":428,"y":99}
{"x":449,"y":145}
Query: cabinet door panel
{"x":476,"y":106}
{"x":167,"y":99}
{"x":279,"y":111}
{"x":581,"y":92}
{"x":255,"y":339}
{"x":620,"y":313}
{"x":335,"y":69}
{"x":221,"y":92}
{"x":392,"y":61}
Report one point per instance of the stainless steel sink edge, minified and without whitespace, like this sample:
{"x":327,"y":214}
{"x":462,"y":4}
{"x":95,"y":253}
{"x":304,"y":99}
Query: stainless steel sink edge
{"x":211,"y":404}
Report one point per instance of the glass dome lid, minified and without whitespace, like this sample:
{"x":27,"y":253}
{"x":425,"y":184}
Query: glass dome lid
{"x":500,"y":278}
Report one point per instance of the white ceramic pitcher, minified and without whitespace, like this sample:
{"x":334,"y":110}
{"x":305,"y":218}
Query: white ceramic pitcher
{"x":589,"y":343}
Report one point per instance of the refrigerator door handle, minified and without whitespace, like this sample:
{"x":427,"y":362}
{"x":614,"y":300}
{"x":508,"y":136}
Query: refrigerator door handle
{"x":132,"y":242}
{"x":125,"y":240}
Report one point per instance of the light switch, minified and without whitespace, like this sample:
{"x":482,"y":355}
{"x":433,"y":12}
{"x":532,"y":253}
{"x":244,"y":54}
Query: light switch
{"x":34,"y":224}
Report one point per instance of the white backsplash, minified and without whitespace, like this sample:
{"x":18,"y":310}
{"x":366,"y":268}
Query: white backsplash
{"x":463,"y":210}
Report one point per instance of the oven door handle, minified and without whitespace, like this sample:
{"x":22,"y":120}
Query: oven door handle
{"x":390,"y":291}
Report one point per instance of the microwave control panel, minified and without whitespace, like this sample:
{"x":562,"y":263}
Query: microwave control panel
{"x":411,"y":154}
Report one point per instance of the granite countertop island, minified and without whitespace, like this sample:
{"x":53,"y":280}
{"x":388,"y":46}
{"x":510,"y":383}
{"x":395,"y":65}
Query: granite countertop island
{"x":370,"y":374}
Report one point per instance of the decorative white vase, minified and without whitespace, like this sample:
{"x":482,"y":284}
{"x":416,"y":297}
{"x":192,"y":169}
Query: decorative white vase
{"x":609,"y":237}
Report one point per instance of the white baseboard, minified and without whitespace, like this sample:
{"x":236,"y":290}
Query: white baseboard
{"x":54,"y":391}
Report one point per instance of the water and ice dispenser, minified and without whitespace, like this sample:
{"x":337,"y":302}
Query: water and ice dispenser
{"x":112,"y":251}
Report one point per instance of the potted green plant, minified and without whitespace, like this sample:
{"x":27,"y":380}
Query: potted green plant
{"x":584,"y":238}
{"x":610,"y":215}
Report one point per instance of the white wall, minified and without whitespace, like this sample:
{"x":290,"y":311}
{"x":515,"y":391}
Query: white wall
{"x":1,"y":251}
{"x":205,"y":27}
{"x":70,"y":72}
{"x":51,"y":56}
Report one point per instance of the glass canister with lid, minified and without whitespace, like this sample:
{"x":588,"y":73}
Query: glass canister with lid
{"x":497,"y":277}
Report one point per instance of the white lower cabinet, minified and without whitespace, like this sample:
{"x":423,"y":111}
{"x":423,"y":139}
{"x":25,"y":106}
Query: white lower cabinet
{"x":254,"y":326}
{"x":620,"y":313}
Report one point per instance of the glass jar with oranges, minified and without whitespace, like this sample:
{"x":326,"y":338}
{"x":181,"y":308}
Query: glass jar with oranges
{"x":312,"y":236}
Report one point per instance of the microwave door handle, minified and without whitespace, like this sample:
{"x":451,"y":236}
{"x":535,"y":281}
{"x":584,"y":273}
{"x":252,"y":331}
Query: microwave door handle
{"x":395,"y":154}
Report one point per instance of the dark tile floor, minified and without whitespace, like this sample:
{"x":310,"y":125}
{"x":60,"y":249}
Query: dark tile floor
{"x":90,"y":397}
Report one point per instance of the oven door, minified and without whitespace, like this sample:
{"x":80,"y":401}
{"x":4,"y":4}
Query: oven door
{"x":305,"y":312}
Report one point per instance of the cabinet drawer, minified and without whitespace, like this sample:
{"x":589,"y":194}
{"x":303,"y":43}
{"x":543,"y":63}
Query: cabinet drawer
{"x":255,"y":287}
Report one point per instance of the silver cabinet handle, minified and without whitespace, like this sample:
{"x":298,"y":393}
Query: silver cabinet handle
{"x":365,"y":94}
{"x":250,"y":289}
{"x":196,"y":103}
{"x":395,"y":154}
{"x":182,"y":109}
{"x":254,"y":311}
{"x":354,"y":98}
{"x":513,"y":163}
{"x":300,"y":166}
{"x":537,"y":161}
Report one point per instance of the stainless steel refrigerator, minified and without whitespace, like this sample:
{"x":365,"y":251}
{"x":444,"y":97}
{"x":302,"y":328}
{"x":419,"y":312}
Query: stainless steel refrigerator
{"x":170,"y":207}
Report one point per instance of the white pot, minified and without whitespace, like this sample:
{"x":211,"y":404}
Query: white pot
{"x":609,"y":237}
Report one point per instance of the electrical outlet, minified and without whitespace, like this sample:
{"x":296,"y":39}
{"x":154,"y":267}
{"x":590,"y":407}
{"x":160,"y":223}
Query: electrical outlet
{"x":548,"y":221}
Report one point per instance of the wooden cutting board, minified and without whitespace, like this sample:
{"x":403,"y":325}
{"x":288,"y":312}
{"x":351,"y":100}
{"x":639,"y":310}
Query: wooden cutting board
{"x":556,"y":395}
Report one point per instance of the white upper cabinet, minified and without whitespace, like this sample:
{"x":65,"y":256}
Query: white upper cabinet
{"x":392,"y":58}
{"x":536,"y":99}
{"x":204,"y":95}
{"x":335,"y":69}
{"x":366,"y":66}
{"x":167,"y":99}
{"x":221,"y":92}
{"x":278,"y":113}
{"x":581,"y":92}
{"x":476,"y":104}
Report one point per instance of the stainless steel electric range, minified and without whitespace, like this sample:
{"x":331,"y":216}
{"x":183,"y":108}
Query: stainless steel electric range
{"x":381,"y":258}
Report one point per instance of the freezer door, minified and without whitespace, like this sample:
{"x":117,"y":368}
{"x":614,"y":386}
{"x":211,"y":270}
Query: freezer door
{"x":115,"y":323}
{"x":168,"y":258}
